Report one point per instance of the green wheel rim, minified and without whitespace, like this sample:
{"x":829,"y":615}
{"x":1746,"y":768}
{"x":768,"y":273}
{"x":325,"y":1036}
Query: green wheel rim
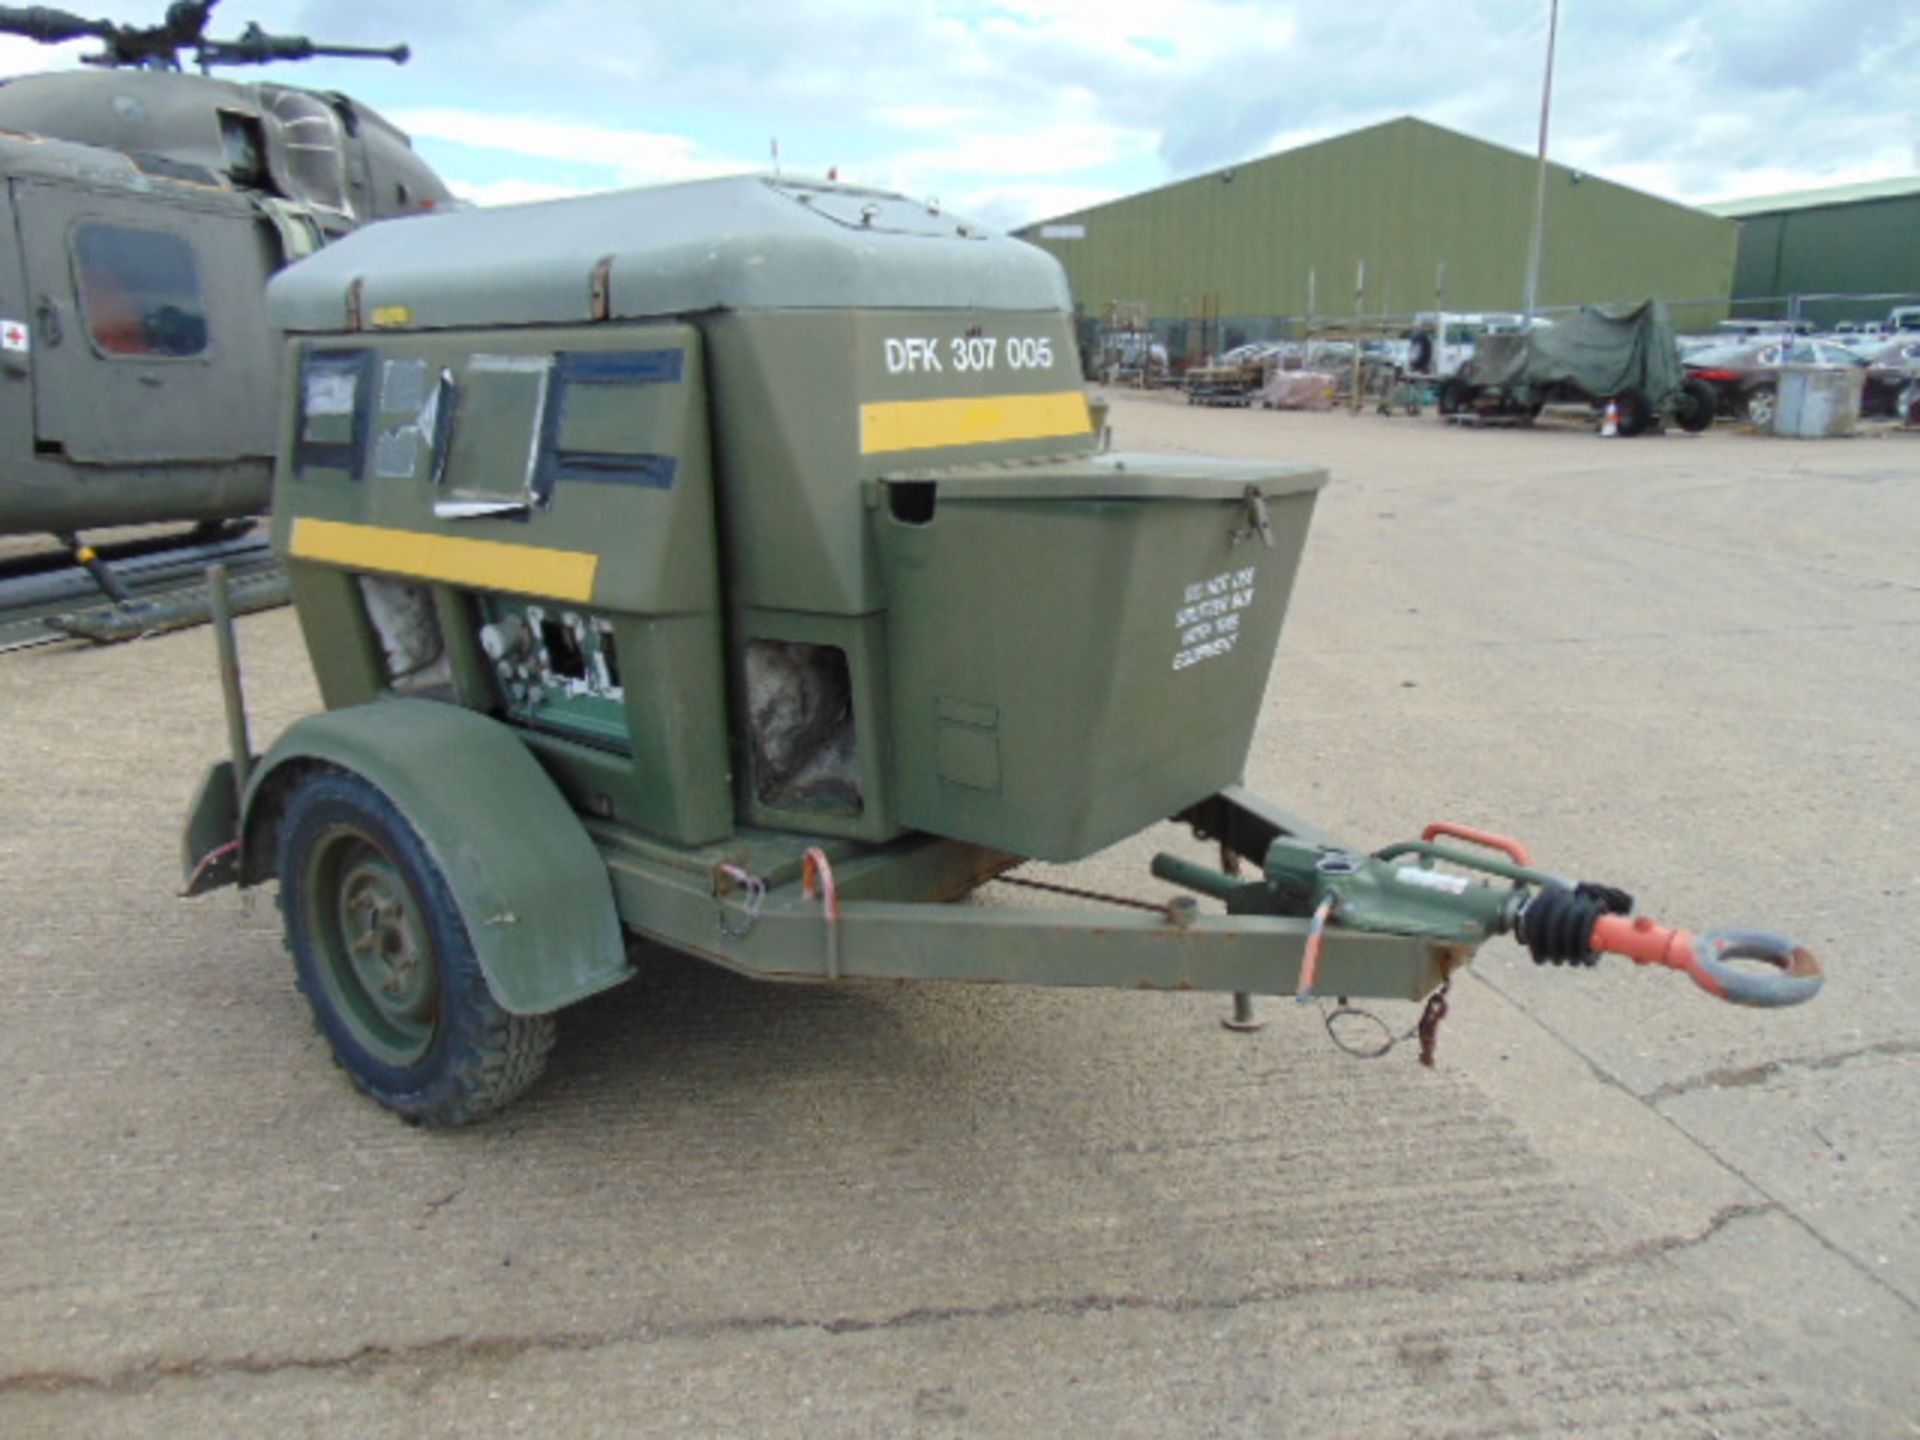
{"x":373,"y":955}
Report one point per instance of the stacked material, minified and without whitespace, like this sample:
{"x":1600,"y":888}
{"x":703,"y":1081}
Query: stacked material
{"x":1299,"y":390}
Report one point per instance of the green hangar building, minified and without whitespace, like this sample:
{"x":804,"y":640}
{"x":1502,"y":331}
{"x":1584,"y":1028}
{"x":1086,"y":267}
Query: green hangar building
{"x":1441,"y":221}
{"x":1849,"y":252}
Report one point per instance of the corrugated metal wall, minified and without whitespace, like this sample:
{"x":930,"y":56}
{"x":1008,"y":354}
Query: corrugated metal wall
{"x":1406,"y":197}
{"x":1863,"y":247}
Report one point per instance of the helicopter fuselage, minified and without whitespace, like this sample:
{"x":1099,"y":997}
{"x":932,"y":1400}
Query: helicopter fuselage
{"x":141,"y":215}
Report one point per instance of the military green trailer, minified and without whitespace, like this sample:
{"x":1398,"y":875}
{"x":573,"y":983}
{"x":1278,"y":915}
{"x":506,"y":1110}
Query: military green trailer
{"x":735,"y":566}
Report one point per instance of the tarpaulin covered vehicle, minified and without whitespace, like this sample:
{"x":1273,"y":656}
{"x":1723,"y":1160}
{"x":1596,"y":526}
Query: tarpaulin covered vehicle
{"x":1600,"y":356}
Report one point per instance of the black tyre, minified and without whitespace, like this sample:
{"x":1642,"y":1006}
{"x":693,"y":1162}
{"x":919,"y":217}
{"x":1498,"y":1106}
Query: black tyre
{"x":384,"y":959}
{"x":1635,"y":413}
{"x":1694,"y":407}
{"x":1759,"y":404}
{"x":1455,"y":395}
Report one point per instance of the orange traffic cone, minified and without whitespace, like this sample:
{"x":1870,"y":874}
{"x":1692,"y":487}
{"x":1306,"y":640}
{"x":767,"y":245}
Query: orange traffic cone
{"x":1610,"y":426}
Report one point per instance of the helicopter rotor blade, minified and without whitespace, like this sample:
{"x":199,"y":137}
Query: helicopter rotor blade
{"x":50,"y":26}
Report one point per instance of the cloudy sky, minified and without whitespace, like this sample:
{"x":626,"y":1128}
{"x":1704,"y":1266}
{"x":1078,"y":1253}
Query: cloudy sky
{"x":1021,"y":109}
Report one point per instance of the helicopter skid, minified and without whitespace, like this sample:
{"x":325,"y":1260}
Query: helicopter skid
{"x":167,"y":586}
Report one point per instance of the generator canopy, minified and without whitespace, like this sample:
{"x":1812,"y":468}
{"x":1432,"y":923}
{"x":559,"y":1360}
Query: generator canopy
{"x":739,"y":243}
{"x":1601,"y":350}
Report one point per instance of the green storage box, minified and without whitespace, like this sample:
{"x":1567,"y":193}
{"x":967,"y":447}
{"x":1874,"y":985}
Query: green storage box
{"x":1077,"y":650}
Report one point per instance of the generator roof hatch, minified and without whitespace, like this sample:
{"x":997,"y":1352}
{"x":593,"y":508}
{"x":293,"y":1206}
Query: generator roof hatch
{"x":740,"y":243}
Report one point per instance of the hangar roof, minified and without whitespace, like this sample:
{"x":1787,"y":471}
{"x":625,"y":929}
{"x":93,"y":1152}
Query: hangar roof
{"x":1815,"y":199}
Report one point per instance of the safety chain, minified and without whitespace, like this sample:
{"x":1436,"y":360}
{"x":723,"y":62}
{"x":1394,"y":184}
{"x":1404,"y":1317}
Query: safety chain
{"x":1078,"y":893}
{"x":1426,"y":1028}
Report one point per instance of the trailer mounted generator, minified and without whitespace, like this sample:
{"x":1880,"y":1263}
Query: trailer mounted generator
{"x":736,"y":566}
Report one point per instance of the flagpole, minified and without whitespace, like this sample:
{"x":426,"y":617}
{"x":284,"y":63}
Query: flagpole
{"x":1540,"y":180}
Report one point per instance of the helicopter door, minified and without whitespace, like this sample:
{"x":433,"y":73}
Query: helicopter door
{"x":150,"y":341}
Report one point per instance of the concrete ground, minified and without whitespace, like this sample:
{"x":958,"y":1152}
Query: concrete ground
{"x":1683,"y":665}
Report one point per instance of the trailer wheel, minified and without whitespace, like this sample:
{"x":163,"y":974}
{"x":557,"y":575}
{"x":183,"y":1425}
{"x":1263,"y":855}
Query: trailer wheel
{"x":1635,"y":413}
{"x":1759,"y":406}
{"x":1695,"y":407}
{"x":1455,"y":395}
{"x":384,"y":959}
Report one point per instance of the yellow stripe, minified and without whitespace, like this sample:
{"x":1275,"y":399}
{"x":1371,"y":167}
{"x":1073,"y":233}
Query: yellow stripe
{"x":484,"y":564}
{"x":983,"y":420}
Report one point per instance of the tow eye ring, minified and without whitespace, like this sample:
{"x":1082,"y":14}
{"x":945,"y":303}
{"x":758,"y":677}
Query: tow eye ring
{"x":1794,"y":976}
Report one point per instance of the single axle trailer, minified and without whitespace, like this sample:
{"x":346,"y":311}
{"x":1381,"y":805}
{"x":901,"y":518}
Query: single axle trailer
{"x":736,"y":566}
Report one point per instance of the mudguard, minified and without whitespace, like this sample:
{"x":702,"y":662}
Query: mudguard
{"x":531,"y":887}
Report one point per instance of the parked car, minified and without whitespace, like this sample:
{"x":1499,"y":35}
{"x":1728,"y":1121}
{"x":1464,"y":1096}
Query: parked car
{"x":1251,"y":353}
{"x":1734,"y":331}
{"x":1746,"y":378}
{"x":1441,"y":341}
{"x":1893,"y":374}
{"x":1333,"y":355}
{"x":1899,"y":352}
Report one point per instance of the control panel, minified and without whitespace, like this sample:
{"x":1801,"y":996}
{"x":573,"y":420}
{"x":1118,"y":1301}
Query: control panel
{"x":557,"y":668}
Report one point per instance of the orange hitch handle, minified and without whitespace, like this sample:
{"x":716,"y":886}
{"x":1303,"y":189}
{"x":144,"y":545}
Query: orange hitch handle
{"x":1795,"y":975}
{"x":816,"y":879}
{"x":1513,"y":849}
{"x":1310,"y":956}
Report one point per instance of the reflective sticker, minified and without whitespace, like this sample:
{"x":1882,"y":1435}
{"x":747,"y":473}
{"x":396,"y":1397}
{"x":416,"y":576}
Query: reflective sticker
{"x":15,"y":337}
{"x":331,"y":391}
{"x":510,"y":364}
{"x":403,"y":389}
{"x":403,"y":386}
{"x":483,"y":564}
{"x":890,"y":426}
{"x":396,"y":454}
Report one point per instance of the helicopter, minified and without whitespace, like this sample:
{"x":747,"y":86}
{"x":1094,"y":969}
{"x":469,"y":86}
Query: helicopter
{"x":143,"y":210}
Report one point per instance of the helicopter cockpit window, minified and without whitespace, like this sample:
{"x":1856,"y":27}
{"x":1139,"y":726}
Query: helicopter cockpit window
{"x":311,"y":165}
{"x":244,"y":148}
{"x":139,"y":291}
